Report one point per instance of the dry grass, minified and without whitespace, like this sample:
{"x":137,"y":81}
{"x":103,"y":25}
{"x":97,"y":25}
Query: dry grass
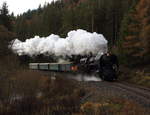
{"x":31,"y":92}
{"x":138,"y":75}
{"x":142,"y":78}
{"x":112,"y":107}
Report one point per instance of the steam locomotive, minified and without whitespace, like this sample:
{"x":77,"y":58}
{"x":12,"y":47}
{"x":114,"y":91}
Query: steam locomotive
{"x":78,"y":64}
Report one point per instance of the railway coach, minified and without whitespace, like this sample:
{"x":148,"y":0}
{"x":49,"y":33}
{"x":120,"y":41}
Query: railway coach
{"x":58,"y":67}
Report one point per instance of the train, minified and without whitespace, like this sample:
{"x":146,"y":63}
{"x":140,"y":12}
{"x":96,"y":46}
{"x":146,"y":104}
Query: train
{"x":88,"y":65}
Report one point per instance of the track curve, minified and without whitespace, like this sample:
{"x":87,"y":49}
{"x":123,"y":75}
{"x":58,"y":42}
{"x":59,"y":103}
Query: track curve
{"x":135,"y":93}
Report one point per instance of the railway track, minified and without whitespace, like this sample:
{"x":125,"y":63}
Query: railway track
{"x":139,"y":87}
{"x":140,"y":91}
{"x":139,"y":94}
{"x":125,"y":90}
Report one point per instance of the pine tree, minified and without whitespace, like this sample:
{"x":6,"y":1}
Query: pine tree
{"x":5,"y":18}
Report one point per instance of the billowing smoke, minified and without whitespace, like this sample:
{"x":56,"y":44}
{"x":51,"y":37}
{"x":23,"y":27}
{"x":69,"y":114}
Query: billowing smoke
{"x":86,"y":78}
{"x":77,"y":42}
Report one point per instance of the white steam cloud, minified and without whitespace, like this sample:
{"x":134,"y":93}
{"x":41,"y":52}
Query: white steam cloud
{"x":77,"y":42}
{"x":82,"y":77}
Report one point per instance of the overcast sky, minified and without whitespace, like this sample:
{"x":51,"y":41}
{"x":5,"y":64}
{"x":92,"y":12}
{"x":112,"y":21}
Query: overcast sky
{"x":20,"y":6}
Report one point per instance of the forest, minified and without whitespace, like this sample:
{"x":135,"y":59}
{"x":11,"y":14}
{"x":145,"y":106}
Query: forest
{"x":124,"y":23}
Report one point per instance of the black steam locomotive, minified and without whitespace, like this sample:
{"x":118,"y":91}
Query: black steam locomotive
{"x":103,"y":65}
